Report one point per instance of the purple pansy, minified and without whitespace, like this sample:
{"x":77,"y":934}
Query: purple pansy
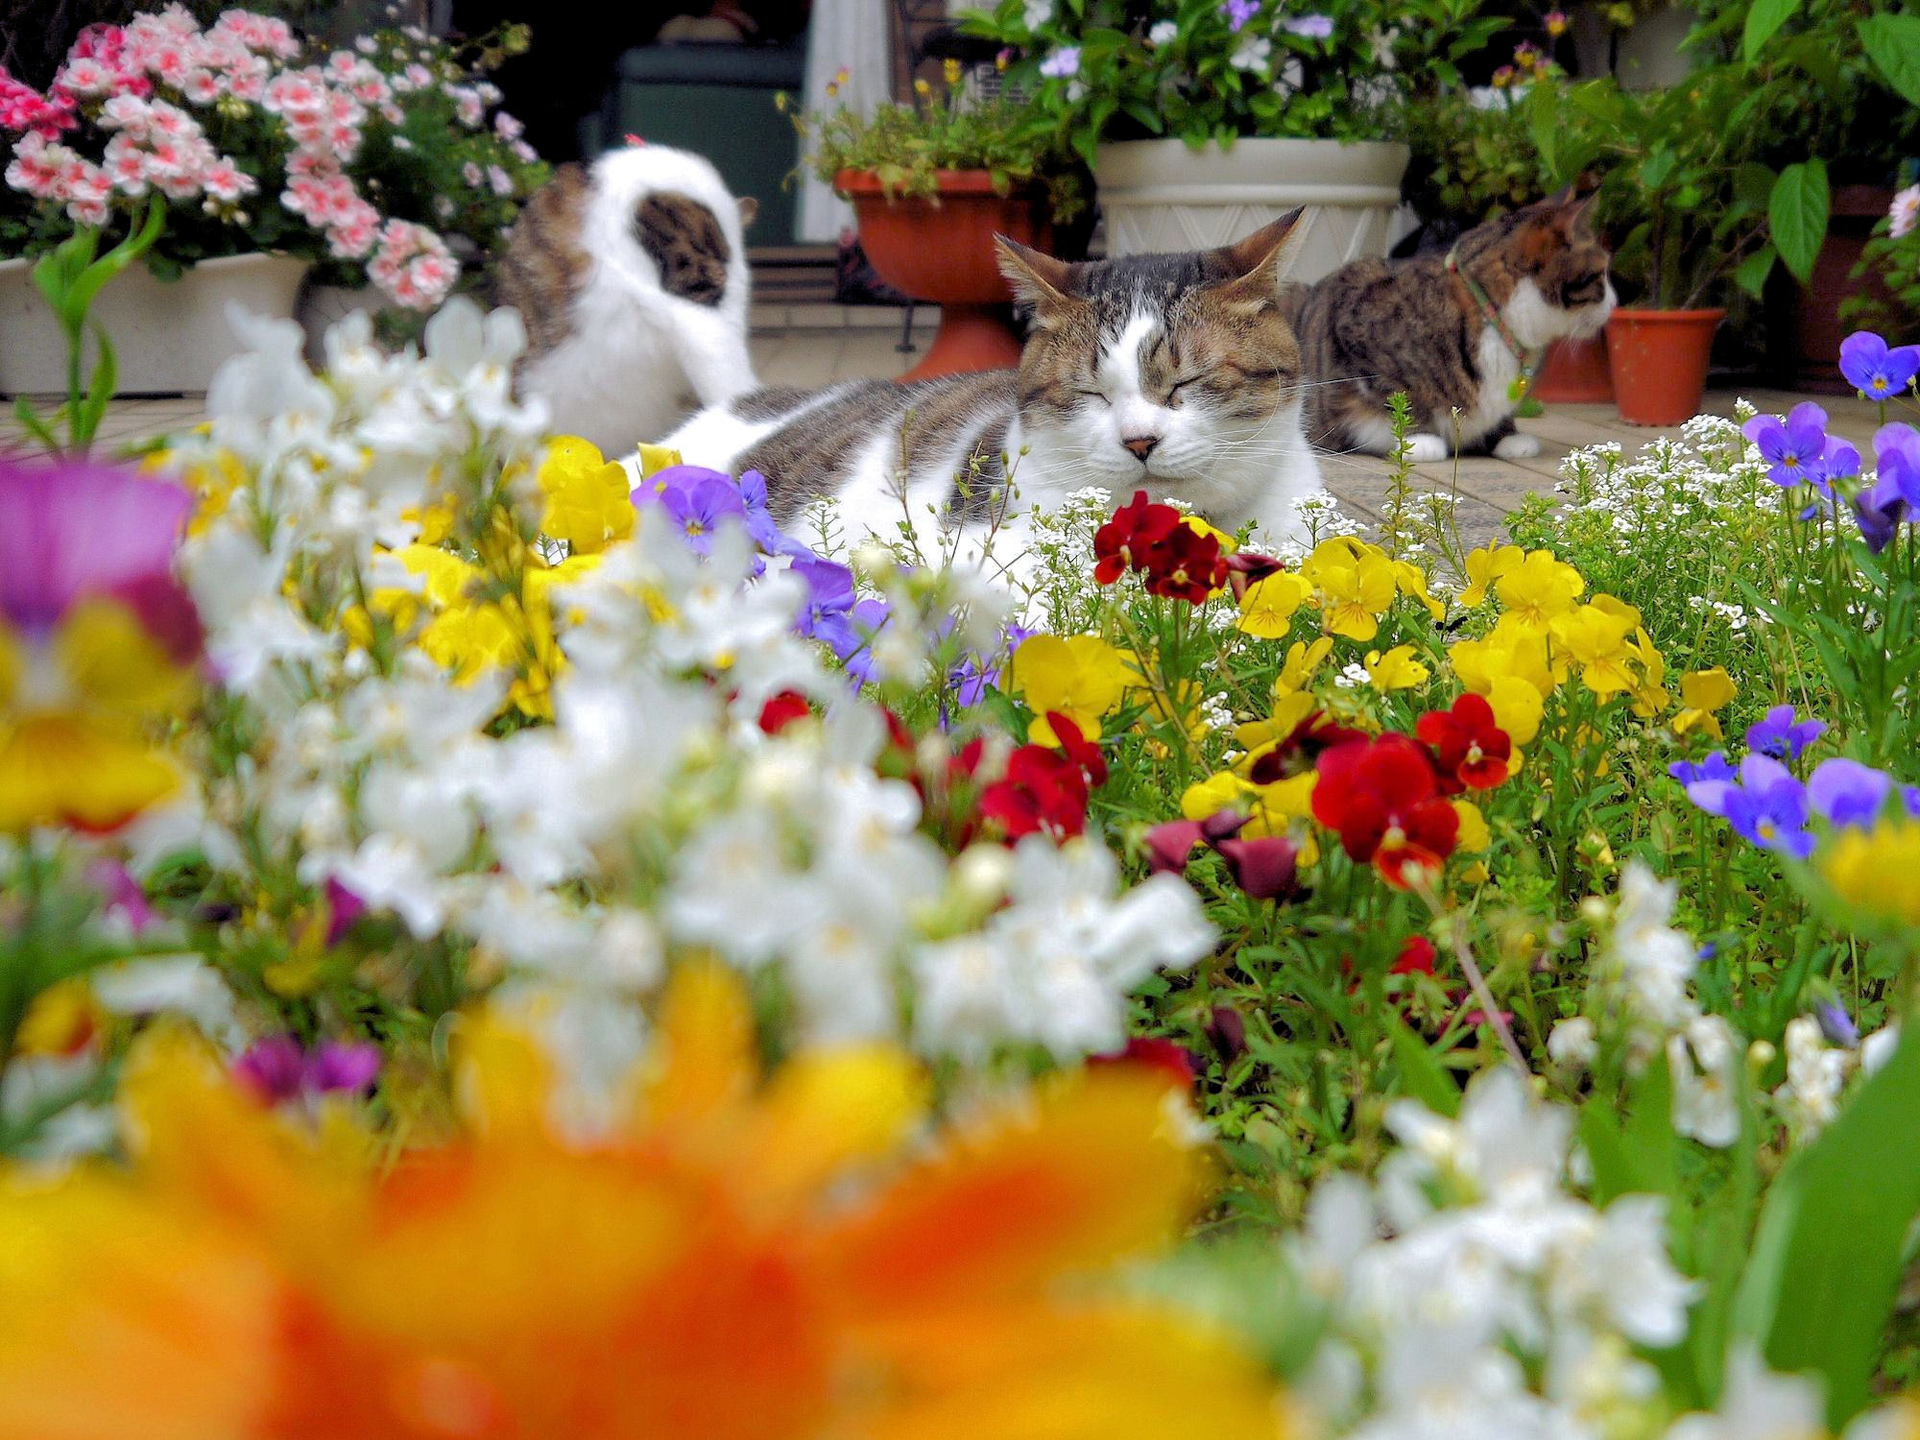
{"x":1836,"y":1024}
{"x":277,"y":1069}
{"x":1847,"y":793}
{"x":830,"y":600}
{"x":73,"y":528}
{"x":1873,"y":369}
{"x":1780,"y":736}
{"x":1793,"y":448}
{"x":1768,"y":808}
{"x":1707,"y":781}
{"x":974,"y":676}
{"x":344,"y":908}
{"x":869,"y":618}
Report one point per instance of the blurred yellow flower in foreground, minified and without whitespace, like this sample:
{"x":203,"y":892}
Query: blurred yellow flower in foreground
{"x":1879,"y":870}
{"x":746,"y":1256}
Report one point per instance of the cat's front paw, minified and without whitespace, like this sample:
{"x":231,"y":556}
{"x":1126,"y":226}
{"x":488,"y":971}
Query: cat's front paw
{"x":1424,"y":448}
{"x":1517,"y":446}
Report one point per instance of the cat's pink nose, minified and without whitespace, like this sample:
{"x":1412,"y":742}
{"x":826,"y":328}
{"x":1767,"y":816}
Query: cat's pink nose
{"x":1141,"y":445}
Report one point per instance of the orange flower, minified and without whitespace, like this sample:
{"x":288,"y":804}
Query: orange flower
{"x":745,"y":1256}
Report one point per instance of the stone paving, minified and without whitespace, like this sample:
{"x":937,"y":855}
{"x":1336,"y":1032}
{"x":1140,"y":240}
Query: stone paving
{"x":828,"y":349}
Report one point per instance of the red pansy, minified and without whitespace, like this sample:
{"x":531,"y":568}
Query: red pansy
{"x":1470,"y":752}
{"x":1383,"y":799}
{"x":1119,"y":544}
{"x":1185,"y":565}
{"x":1416,"y":957}
{"x":783,"y":710}
{"x":1163,"y":1056}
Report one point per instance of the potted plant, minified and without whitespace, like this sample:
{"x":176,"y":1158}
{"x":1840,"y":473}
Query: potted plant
{"x":270,"y":156}
{"x":1202,"y":121}
{"x":1834,"y":105}
{"x":1889,"y":269}
{"x":1687,"y":207}
{"x":931,"y":184}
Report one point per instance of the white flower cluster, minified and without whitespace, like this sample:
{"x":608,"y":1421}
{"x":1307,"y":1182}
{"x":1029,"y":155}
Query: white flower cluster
{"x":1471,"y":1295}
{"x":654,"y":812}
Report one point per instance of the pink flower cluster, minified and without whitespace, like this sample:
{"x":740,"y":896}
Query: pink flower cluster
{"x":414,"y":265}
{"x":141,"y":84}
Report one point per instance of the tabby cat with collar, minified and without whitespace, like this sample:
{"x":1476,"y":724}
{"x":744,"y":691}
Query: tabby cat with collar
{"x":632,"y":280}
{"x":1462,"y":334}
{"x":1176,"y":374}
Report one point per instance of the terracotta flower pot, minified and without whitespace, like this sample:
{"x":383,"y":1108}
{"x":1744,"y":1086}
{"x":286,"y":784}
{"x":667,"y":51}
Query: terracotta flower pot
{"x":1815,"y":324}
{"x":1576,"y":373}
{"x":941,"y":250}
{"x":1659,"y":362}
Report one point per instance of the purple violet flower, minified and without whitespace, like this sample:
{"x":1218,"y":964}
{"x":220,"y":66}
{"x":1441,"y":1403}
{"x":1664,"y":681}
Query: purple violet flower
{"x":1768,"y":808}
{"x":830,"y":600}
{"x":1846,"y":793}
{"x":1874,"y":370}
{"x":1707,"y":782}
{"x":1836,"y":1024}
{"x":1792,"y":448}
{"x":1779,"y":736}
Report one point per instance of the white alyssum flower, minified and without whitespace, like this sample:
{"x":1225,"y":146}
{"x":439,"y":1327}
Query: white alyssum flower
{"x":1816,"y":1073}
{"x":1705,"y":1061}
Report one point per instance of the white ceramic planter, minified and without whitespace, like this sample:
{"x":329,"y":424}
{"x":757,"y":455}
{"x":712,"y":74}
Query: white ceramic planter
{"x":168,"y":336}
{"x":322,"y":307}
{"x":1160,"y":195}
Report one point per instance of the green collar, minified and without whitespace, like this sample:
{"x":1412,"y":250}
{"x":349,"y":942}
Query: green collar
{"x":1528,"y":359}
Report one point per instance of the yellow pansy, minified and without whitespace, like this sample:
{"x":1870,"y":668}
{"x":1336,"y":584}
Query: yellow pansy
{"x":588,"y":500}
{"x":1395,"y":670}
{"x":1356,"y":586}
{"x":1296,"y":672}
{"x":1879,"y":871}
{"x":1473,"y":836}
{"x":1080,"y":676}
{"x":1701,"y":693}
{"x":1517,"y":708}
{"x":1486,"y":566}
{"x":1539,"y":588}
{"x":1595,"y":639}
{"x":1268,"y":607}
{"x":1508,"y":650}
{"x":1276,"y":805}
{"x":1200,"y":527}
{"x":1223,"y":791}
{"x":1288,"y":711}
{"x":1650,"y":695}
{"x":1411,"y":581}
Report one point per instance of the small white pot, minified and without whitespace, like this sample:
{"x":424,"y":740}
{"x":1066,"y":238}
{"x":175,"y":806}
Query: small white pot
{"x":168,"y":336}
{"x":322,"y":307}
{"x":1160,"y":195}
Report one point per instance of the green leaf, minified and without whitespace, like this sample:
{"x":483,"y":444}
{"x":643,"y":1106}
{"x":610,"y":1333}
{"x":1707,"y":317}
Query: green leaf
{"x":1797,"y":215}
{"x":1421,"y":1076}
{"x":33,"y":424}
{"x":1639,"y":1157}
{"x":1751,"y":277}
{"x":1892,"y":42}
{"x":1825,"y":1263}
{"x":1763,"y":19}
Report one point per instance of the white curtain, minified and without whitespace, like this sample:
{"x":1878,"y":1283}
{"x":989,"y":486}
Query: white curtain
{"x":854,"y":35}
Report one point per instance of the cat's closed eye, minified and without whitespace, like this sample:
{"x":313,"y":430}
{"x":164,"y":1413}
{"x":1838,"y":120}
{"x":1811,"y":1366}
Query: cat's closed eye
{"x":1092,"y":395}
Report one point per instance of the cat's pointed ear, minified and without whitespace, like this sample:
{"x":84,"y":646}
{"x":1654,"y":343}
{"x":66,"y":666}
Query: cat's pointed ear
{"x":749,"y":210}
{"x":1040,"y":282}
{"x":1255,"y":262}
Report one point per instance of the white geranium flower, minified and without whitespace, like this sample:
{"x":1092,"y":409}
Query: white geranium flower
{"x":1705,"y":1062}
{"x":1757,"y":1404}
{"x":1810,"y":1098}
{"x":1253,"y":52}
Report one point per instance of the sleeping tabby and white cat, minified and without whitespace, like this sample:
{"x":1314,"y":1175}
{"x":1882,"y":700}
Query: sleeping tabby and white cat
{"x":1176,"y":374}
{"x":1453,"y":332}
{"x":632,"y":280}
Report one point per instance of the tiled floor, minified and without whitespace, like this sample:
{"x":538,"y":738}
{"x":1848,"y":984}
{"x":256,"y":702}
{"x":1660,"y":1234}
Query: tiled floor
{"x":817,"y":345}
